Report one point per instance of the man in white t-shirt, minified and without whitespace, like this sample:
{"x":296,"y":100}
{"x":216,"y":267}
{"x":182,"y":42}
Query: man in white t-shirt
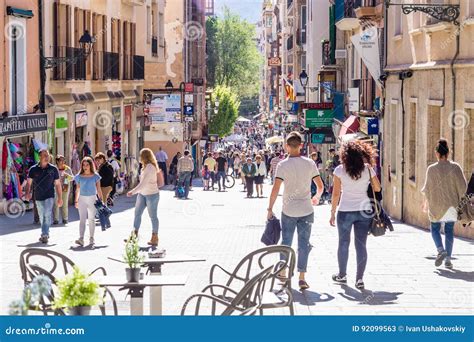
{"x":297,"y":173}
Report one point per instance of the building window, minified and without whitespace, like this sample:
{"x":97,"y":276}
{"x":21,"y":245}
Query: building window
{"x":434,"y":132}
{"x":412,"y":143}
{"x":148,"y":24}
{"x":393,"y":138}
{"x":18,"y":101}
{"x":398,"y":20}
{"x":303,"y":24}
{"x":470,"y":9}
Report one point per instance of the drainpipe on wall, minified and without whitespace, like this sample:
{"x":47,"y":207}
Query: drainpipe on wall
{"x":453,"y":77}
{"x":41,"y":57}
{"x":402,"y":190}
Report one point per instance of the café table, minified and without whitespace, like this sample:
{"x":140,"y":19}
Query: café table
{"x":154,"y":266}
{"x":136,"y":290}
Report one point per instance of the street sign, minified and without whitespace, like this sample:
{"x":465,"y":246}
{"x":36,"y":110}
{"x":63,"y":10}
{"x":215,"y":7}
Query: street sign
{"x":189,"y":118}
{"x":323,"y":138}
{"x":189,"y":98}
{"x":189,"y":87}
{"x":189,"y":110}
{"x":319,"y":118}
{"x":373,"y":126}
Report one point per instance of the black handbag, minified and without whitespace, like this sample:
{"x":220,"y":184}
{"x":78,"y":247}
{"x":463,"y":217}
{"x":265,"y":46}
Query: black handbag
{"x":272,"y":232}
{"x":377,"y":226}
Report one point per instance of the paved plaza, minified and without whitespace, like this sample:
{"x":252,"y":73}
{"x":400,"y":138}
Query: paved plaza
{"x":401,"y":278}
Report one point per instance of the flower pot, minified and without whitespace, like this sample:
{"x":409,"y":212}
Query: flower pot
{"x":132,"y":274}
{"x":80,"y":311}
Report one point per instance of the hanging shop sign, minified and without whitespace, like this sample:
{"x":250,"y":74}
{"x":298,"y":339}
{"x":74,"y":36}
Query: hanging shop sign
{"x":319,"y":118}
{"x":322,"y":136}
{"x":324,"y":105}
{"x":128,"y":117}
{"x":18,"y":124}
{"x":81,"y":118}
{"x":60,"y":122}
{"x":274,"y":61}
{"x":165,"y":108}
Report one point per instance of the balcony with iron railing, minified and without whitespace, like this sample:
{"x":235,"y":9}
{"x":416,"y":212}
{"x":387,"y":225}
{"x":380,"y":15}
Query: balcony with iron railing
{"x":346,"y":18}
{"x":74,"y":68}
{"x":105,"y":66}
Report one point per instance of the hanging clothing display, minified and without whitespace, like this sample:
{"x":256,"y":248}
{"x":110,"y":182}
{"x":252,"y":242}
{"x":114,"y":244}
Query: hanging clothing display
{"x":117,"y":144}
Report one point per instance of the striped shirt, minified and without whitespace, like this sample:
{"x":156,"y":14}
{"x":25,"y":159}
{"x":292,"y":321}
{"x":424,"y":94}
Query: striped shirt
{"x":273,"y":163}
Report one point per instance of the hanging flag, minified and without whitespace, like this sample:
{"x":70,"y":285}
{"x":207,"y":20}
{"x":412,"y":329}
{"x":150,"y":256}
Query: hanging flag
{"x":290,"y":90}
{"x":366,"y":44}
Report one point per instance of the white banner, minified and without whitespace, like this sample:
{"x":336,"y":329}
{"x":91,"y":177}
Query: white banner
{"x":367,"y":46}
{"x":353,"y":99}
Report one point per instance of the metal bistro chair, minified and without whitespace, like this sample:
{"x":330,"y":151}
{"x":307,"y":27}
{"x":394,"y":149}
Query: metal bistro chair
{"x":54,"y":265}
{"x":273,"y":297}
{"x":245,"y":302}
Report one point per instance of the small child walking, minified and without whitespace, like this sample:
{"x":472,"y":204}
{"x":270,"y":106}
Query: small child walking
{"x":206,"y":175}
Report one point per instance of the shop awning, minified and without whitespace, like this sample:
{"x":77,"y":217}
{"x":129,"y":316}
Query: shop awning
{"x":242,"y":119}
{"x":100,"y":96}
{"x":60,"y":99}
{"x":274,"y":140}
{"x":258,"y":116}
{"x":350,"y":126}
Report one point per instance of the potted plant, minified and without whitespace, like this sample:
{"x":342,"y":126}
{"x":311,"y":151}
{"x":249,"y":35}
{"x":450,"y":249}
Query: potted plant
{"x":32,"y":296}
{"x":133,"y":259}
{"x":78,"y":293}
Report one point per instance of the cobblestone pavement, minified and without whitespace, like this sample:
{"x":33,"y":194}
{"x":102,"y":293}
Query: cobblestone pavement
{"x":401,"y":278}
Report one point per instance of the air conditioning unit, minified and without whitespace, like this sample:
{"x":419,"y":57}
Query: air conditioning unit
{"x":341,"y":54}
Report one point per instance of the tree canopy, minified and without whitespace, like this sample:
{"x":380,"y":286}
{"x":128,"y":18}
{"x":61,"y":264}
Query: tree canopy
{"x":233,"y":57}
{"x":228,"y":111}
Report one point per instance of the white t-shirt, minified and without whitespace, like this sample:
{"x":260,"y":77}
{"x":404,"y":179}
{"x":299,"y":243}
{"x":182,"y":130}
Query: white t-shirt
{"x":354,"y":192}
{"x":297,"y":174}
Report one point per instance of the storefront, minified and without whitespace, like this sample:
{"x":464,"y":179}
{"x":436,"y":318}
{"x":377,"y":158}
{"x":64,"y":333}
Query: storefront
{"x":21,"y":139}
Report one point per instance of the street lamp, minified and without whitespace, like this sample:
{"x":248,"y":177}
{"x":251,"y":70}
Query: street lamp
{"x":86,"y":45}
{"x":169,"y":86}
{"x":304,"y":78}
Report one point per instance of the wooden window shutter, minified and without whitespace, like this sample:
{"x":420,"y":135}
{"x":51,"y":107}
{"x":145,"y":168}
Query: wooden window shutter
{"x":56,"y":25}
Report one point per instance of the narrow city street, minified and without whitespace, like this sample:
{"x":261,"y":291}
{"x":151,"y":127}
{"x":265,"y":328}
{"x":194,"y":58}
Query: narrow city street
{"x":222,"y":227}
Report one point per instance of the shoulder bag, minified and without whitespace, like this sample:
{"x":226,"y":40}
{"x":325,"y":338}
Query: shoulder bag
{"x":377,"y":225}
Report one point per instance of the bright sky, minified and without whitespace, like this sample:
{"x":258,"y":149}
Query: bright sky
{"x":247,"y":9}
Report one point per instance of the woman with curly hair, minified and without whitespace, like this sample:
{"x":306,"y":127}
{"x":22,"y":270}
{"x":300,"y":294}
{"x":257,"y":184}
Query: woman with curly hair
{"x":352,"y":178}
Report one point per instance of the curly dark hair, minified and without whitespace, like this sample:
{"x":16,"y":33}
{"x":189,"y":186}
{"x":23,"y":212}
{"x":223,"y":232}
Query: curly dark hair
{"x":354,"y":155}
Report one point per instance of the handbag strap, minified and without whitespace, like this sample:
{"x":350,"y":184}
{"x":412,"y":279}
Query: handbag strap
{"x":373,"y":192}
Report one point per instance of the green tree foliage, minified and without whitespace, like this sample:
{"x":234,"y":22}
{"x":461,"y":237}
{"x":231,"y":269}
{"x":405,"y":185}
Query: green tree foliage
{"x":222,"y":123}
{"x":233,"y":57}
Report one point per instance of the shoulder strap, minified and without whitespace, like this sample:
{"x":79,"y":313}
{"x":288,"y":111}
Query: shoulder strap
{"x":373,"y":193}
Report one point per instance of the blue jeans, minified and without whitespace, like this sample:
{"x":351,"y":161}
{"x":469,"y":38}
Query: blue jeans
{"x":45,"y":210}
{"x":448,"y":236}
{"x":151,"y":203}
{"x":221,"y":175}
{"x":361,"y":223}
{"x":303,"y":224}
{"x":184,"y":181}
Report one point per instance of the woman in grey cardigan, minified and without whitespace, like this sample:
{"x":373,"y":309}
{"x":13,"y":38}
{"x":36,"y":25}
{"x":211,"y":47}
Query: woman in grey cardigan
{"x":444,"y":188}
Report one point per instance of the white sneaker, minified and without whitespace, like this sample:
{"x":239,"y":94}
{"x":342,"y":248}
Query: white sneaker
{"x":91,"y":241}
{"x":80,"y":242}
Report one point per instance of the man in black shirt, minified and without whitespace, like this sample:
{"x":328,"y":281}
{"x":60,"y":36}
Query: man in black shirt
{"x":221,"y":170}
{"x":44,"y":177}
